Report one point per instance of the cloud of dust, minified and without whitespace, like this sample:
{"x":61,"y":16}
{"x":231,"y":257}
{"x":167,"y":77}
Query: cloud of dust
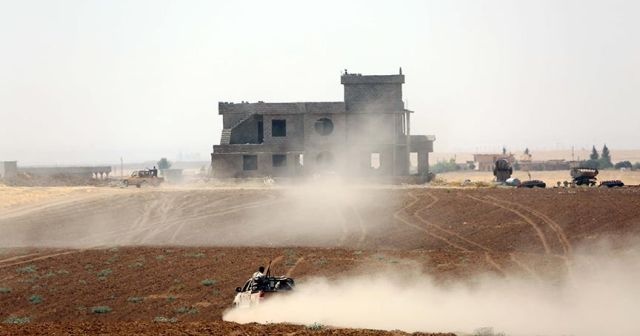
{"x":601,"y":297}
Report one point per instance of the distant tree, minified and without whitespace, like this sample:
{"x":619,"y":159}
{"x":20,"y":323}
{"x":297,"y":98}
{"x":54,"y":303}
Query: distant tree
{"x":445,"y":166}
{"x":605,"y":158}
{"x":594,"y":154}
{"x":636,"y":165}
{"x":526,"y":151}
{"x":504,"y":151}
{"x":516,"y":165}
{"x":471,"y":165}
{"x":164,"y":164}
{"x":595,"y":164}
{"x":623,"y":164}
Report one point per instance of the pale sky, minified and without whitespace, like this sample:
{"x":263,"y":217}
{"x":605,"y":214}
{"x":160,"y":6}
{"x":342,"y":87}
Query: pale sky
{"x":90,"y":81}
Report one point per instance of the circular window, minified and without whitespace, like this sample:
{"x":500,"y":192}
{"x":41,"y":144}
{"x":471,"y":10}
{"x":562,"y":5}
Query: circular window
{"x":324,"y":126}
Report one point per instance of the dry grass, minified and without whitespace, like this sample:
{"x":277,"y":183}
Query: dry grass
{"x":550,"y":177}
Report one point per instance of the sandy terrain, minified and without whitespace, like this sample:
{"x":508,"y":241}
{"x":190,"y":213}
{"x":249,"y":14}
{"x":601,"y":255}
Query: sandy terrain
{"x":146,"y":253}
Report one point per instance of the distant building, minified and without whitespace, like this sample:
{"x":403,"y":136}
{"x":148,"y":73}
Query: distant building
{"x":8,"y":169}
{"x":486,"y":162}
{"x":367,"y":134}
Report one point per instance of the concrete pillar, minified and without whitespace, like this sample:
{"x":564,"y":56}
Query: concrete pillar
{"x":423,"y":163}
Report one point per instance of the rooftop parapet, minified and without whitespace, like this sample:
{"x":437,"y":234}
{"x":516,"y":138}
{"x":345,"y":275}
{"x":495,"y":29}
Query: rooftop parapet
{"x":371,"y":79}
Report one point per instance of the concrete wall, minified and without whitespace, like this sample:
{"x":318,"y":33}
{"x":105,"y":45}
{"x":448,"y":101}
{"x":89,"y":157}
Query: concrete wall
{"x":295,"y":129}
{"x":70,"y":171}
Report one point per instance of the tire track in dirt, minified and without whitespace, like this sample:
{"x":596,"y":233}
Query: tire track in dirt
{"x":486,"y":249}
{"x":293,"y":268}
{"x":257,"y":204}
{"x":524,"y":266}
{"x":447,"y":231}
{"x":527,"y":219}
{"x":562,"y":238}
{"x":492,"y":262}
{"x":398,"y":217}
{"x":22,"y":262}
{"x":18,"y":257}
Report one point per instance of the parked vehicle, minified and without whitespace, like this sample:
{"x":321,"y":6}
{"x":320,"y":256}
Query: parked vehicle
{"x":140,"y":178}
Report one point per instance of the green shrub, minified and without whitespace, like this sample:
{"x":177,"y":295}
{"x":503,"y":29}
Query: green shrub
{"x":486,"y":332}
{"x":102,"y":275}
{"x":100,"y":309}
{"x":315,"y":326}
{"x":187,"y":310}
{"x":17,"y":320}
{"x":135,"y":299}
{"x":137,"y":264}
{"x":162,"y":319}
{"x":195,"y":255}
{"x":5,"y":290}
{"x":208,"y":282}
{"x":35,"y":299}
{"x":27,"y":269}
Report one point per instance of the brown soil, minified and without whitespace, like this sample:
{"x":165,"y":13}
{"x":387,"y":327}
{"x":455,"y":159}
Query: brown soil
{"x":453,"y":234}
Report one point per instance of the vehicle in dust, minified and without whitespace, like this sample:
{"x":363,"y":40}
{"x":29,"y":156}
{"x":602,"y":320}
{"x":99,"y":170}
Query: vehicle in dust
{"x":255,"y":290}
{"x":141,"y":178}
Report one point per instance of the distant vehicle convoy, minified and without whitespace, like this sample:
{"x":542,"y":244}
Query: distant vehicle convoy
{"x":141,"y":178}
{"x":581,"y":176}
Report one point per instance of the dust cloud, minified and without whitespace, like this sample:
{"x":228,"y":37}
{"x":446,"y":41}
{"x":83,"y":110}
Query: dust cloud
{"x":601,"y":297}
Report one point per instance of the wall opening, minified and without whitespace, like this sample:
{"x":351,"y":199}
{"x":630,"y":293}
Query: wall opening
{"x":249,"y":162}
{"x":323,"y":126}
{"x":374,"y":160}
{"x":260,"y":132}
{"x":278,"y":128}
{"x":279,"y":160}
{"x":413,"y":163}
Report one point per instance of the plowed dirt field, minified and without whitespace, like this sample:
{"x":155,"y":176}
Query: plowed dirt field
{"x":166,"y":261}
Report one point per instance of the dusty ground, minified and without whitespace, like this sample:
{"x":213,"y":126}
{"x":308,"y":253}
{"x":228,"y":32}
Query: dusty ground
{"x":146,"y":253}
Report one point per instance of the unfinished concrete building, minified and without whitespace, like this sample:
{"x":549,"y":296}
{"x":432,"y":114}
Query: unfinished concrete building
{"x":367,"y":134}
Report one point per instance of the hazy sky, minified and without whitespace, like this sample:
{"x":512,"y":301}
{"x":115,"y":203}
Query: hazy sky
{"x":89,"y":81}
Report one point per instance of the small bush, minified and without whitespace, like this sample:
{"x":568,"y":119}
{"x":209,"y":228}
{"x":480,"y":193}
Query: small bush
{"x":102,"y":275}
{"x":17,"y":320}
{"x":35,"y":299}
{"x":100,"y":309}
{"x":63,"y":272}
{"x":137,"y":264}
{"x":162,"y":319}
{"x":187,"y":310}
{"x":171,"y":298}
{"x":487,"y":332}
{"x":27,"y":269}
{"x":315,"y":326}
{"x":195,"y":255}
{"x":5,"y":290}
{"x":208,"y":282}
{"x":135,"y":299}
{"x":160,"y":257}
